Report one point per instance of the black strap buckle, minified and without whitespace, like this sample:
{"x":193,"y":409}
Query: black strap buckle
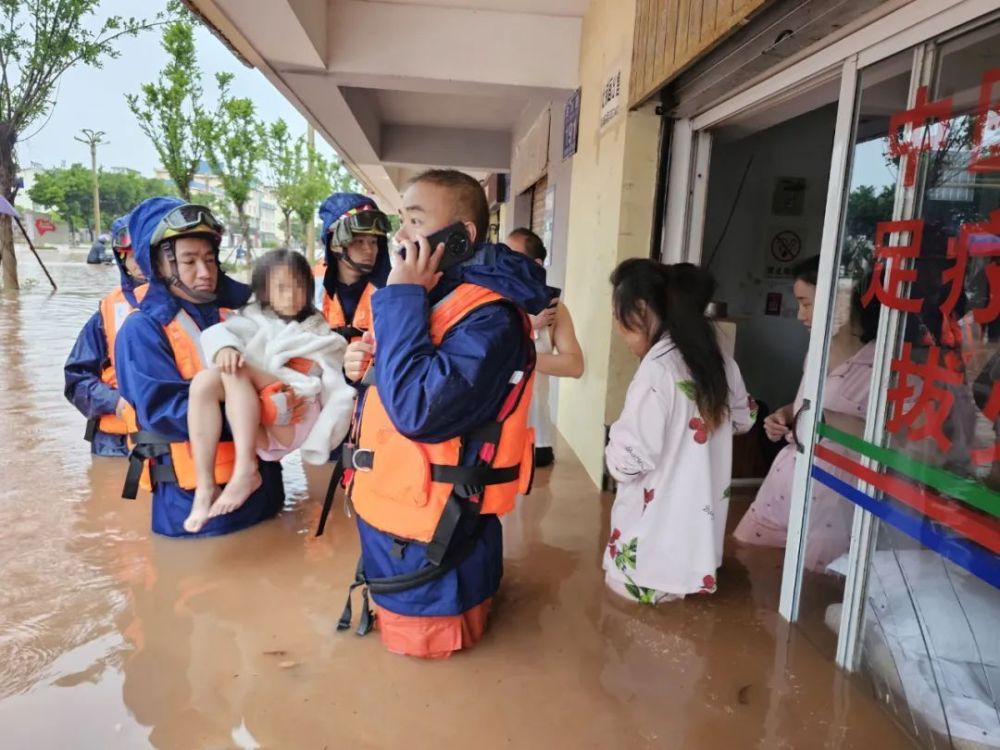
{"x":349,"y":332}
{"x":474,"y":476}
{"x":451,"y":516}
{"x":147,"y":445}
{"x":367,"y":622}
{"x":91,"y":430}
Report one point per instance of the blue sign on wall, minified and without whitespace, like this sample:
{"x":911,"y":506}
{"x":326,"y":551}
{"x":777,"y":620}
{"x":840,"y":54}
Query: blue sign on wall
{"x":571,"y":124}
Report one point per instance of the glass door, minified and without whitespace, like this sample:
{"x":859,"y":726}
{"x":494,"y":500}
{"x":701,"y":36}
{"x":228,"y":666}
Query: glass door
{"x":902,"y":464}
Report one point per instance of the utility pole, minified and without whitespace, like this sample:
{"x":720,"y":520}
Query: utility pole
{"x":93,"y":138}
{"x":311,"y":224}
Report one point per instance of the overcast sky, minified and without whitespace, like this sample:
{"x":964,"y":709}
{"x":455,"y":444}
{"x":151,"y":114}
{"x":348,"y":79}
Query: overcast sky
{"x":95,"y":98}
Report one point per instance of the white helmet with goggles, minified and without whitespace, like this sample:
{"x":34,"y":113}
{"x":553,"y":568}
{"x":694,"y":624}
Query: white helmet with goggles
{"x":187,"y":220}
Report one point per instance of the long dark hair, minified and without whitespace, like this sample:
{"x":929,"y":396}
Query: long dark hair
{"x":677,"y":297}
{"x":297,"y":264}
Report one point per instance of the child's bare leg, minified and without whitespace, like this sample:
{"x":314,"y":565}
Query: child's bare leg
{"x":243,"y":413}
{"x":204,"y":429}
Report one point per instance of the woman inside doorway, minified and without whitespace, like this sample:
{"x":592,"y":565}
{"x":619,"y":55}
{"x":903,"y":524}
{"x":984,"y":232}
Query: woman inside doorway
{"x":845,"y":403}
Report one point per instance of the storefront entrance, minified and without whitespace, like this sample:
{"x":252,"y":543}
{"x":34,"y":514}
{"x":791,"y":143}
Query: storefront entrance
{"x":880,"y":156}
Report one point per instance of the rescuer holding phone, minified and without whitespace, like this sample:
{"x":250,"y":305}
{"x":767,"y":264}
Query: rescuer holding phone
{"x":440,"y":446}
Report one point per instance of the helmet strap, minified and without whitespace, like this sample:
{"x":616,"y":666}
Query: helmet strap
{"x":363,"y":268}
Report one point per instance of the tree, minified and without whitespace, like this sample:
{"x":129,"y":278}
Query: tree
{"x":284,"y":159}
{"x":234,"y":146}
{"x":313,"y":186}
{"x":341,"y":180}
{"x":69,"y":191}
{"x":122,"y":191}
{"x":866,"y":208}
{"x":39,"y":41}
{"x":169,"y":110}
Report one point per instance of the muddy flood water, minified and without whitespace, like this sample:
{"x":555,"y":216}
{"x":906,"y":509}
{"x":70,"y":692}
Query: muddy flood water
{"x":113,"y":638}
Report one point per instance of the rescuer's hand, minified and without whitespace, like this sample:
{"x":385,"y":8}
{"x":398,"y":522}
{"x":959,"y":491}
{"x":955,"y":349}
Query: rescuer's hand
{"x":418,"y":266}
{"x":358,"y":356}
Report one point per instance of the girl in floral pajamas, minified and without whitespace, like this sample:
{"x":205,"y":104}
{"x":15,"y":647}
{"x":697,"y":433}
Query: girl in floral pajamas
{"x":671,"y":449}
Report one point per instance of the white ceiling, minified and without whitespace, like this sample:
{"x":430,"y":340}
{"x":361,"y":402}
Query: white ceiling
{"x":448,"y":110}
{"x":574,"y":8}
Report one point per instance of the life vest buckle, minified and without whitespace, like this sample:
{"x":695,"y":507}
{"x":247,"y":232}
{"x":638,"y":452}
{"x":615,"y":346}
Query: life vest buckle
{"x":360,"y":459}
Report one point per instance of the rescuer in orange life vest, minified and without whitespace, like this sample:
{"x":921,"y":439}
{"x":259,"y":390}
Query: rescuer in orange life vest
{"x":89,"y":373}
{"x":440,"y":445}
{"x":159,"y":351}
{"x":356,"y":261}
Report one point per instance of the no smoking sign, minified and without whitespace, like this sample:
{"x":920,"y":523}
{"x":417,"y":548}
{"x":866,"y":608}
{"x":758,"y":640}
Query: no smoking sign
{"x":783,"y":251}
{"x":786,"y":246}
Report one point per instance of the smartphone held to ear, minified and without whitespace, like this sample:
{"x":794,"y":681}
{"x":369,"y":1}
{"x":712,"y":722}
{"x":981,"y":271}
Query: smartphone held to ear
{"x":458,"y":247}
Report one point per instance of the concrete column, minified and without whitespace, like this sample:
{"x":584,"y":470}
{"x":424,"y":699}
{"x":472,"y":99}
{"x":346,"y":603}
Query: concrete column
{"x":610,"y":219}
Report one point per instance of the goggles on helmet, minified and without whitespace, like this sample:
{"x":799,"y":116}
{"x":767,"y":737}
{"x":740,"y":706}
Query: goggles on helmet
{"x":368,"y":221}
{"x":121,"y":241}
{"x":187,"y":220}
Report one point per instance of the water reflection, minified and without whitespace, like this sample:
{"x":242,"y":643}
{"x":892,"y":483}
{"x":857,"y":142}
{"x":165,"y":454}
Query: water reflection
{"x":111,"y":638}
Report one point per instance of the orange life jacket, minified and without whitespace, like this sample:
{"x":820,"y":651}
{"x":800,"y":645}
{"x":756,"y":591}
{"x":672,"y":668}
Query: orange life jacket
{"x":413,"y":490}
{"x":147,"y":447}
{"x":114,"y":308}
{"x":334,"y":312}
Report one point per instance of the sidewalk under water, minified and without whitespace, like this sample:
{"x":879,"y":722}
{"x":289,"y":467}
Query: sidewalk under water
{"x":113,"y":638}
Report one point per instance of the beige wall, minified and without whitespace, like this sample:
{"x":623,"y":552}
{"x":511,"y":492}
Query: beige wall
{"x":610,"y":219}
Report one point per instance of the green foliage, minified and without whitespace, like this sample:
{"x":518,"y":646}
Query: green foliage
{"x":284,"y":161}
{"x":234,"y":146}
{"x":70,"y":192}
{"x":168,"y":110}
{"x":39,"y":41}
{"x":122,"y":191}
{"x":42,"y":39}
{"x":866,"y":208}
{"x":301,"y":176}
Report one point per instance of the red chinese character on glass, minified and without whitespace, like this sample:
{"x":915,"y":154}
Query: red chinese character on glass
{"x":918,"y":397}
{"x":981,"y":240}
{"x":923,"y":137}
{"x":986,"y":133}
{"x":887,"y":288}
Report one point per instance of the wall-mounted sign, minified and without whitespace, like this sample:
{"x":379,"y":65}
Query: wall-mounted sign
{"x":784,"y":248}
{"x":571,"y":124}
{"x":789,"y":198}
{"x":43,"y":225}
{"x":773,"y":305}
{"x":611,"y":98}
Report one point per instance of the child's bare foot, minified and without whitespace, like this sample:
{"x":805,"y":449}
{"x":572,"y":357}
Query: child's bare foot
{"x":234,"y":494}
{"x":203,"y":497}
